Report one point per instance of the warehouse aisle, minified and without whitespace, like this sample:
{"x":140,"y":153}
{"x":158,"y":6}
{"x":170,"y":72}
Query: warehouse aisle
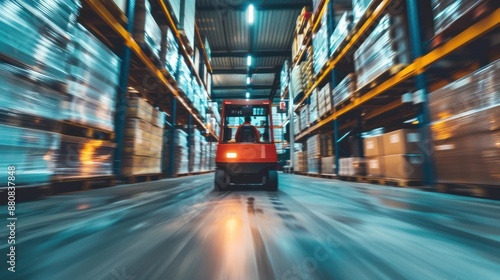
{"x":310,"y":229}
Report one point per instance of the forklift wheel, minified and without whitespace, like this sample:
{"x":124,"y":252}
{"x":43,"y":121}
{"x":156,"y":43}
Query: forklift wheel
{"x":272,"y":182}
{"x":220,"y":181}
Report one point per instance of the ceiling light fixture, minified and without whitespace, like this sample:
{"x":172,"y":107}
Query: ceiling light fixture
{"x":249,"y":60}
{"x":250,"y":13}
{"x":248,"y":95}
{"x":248,"y":80}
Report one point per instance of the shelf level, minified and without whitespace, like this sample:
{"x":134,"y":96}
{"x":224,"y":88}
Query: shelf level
{"x":416,"y":67}
{"x":184,"y":52}
{"x":351,"y":40}
{"x":112,"y":22}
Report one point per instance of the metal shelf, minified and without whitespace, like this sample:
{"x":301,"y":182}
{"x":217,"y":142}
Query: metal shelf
{"x":112,"y":22}
{"x":351,"y":41}
{"x":205,"y":55}
{"x":184,"y":52}
{"x":417,"y":67}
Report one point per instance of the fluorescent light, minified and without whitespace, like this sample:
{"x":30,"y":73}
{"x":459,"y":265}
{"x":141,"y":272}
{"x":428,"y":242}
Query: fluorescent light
{"x":248,"y":95}
{"x":249,"y":60}
{"x":248,"y":80}
{"x":250,"y":13}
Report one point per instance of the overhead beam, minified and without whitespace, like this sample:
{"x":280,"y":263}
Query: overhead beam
{"x":240,"y":96}
{"x":254,"y":54}
{"x":244,"y":71}
{"x":244,"y":7}
{"x":243,"y":87}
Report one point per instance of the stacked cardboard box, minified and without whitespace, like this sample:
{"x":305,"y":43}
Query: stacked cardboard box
{"x":465,"y":128}
{"x":328,"y":165}
{"x":344,"y":90}
{"x":403,"y":156}
{"x":352,"y":166}
{"x":296,"y":84}
{"x":300,"y":162}
{"x":143,"y":139}
{"x":374,"y":152}
{"x":385,"y":47}
{"x":308,"y":75}
{"x":324,"y":100}
{"x":183,"y":13}
{"x":448,"y":11}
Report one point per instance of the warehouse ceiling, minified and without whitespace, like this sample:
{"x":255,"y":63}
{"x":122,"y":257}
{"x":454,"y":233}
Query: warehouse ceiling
{"x":232,"y":38}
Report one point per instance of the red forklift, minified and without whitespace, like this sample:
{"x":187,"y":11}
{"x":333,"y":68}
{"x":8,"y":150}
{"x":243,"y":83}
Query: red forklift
{"x":246,"y":154}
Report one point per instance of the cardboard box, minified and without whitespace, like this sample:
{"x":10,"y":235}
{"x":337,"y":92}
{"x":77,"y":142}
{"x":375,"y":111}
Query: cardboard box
{"x":139,"y":108}
{"x":352,"y":166}
{"x":404,"y":166}
{"x":375,"y":166}
{"x":374,"y":146}
{"x":403,"y":141}
{"x":328,"y":165}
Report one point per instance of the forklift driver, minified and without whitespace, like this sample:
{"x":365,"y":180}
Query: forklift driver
{"x":247,"y":132}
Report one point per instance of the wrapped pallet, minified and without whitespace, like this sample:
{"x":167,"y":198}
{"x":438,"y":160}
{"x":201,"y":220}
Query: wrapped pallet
{"x":32,"y":153}
{"x":320,"y":44}
{"x":93,"y":79}
{"x":387,"y":46}
{"x":352,"y":166}
{"x":79,"y":157}
{"x":465,"y":128}
{"x":344,"y":90}
{"x":342,"y":29}
{"x":147,"y":32}
{"x":448,"y":11}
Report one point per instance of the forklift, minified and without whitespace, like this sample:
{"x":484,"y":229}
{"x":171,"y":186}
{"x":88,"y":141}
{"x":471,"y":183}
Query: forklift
{"x":246,"y":153}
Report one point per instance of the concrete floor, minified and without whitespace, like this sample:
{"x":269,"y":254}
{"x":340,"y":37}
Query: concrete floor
{"x":310,"y":229}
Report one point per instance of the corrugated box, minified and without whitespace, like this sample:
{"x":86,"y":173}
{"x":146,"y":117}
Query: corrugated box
{"x":375,"y":166}
{"x":353,"y":166}
{"x":139,"y":108}
{"x":404,"y":166}
{"x":374,"y":146}
{"x":403,"y":141}
{"x":328,"y":165}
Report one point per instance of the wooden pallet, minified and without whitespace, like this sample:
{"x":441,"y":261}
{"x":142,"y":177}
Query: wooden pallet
{"x":80,"y":130}
{"x":481,"y":10}
{"x":477,"y":190}
{"x":393,"y":182}
{"x":326,"y":114}
{"x":356,"y":179}
{"x":61,"y":184}
{"x":139,"y":178}
{"x":186,"y":42}
{"x":382,"y":77}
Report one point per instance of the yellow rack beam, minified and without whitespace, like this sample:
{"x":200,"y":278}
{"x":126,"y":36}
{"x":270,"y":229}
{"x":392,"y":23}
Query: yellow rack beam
{"x":103,"y":12}
{"x":186,"y":56}
{"x":322,"y":8}
{"x":371,"y":20}
{"x":418,"y":66}
{"x":205,"y":55}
